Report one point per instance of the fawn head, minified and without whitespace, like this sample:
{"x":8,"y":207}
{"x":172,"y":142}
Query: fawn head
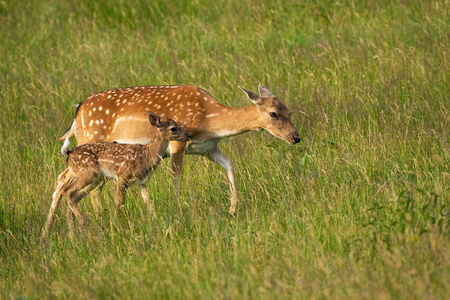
{"x":168,"y":128}
{"x":274,"y":116}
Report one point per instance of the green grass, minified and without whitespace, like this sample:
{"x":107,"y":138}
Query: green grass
{"x":359,"y":209}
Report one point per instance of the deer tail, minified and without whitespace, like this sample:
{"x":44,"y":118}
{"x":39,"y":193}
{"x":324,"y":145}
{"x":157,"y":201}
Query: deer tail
{"x":65,"y":146}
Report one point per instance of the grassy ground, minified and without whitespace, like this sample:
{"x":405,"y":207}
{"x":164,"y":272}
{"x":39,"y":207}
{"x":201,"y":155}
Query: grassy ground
{"x":359,"y":209}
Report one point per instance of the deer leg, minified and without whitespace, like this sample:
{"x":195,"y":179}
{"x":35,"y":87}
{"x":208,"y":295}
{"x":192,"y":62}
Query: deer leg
{"x":76,"y":211}
{"x":120,"y":192}
{"x":64,"y":178}
{"x":48,"y":224}
{"x":95,"y":198}
{"x":216,"y":155}
{"x":177,"y":158}
{"x":74,"y":195}
{"x":146,"y":197}
{"x":70,"y":221}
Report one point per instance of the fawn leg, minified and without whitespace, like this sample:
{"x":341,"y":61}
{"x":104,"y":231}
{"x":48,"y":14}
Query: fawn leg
{"x":74,"y":196}
{"x":48,"y":224}
{"x":122,"y":186}
{"x":64,"y":178}
{"x":70,"y":222}
{"x":145,"y":195}
{"x":95,"y":198}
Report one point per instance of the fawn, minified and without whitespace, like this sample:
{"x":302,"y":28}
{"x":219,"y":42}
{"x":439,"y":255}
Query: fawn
{"x":91,"y":164}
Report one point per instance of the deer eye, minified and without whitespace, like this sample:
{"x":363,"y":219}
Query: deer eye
{"x":274,"y":115}
{"x":173,"y":129}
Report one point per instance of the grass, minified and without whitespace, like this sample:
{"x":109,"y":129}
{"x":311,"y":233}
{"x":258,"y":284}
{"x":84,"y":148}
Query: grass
{"x":359,"y":209}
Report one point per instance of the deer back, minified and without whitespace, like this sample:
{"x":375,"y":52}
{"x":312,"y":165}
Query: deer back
{"x":121,"y":114}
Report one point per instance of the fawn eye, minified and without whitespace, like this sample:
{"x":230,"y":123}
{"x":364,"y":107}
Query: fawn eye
{"x":173,"y":129}
{"x":274,"y":115}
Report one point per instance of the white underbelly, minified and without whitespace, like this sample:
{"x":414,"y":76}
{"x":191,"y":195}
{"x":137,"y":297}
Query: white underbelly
{"x":141,"y":141}
{"x":106,"y":173}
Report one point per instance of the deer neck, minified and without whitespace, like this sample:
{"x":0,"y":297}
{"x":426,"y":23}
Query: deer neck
{"x":155,"y":149}
{"x":232,"y":121}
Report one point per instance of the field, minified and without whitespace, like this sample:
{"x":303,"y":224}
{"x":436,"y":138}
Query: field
{"x":359,"y":209}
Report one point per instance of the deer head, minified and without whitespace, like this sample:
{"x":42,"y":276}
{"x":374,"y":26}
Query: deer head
{"x":168,"y":128}
{"x":274,"y":116}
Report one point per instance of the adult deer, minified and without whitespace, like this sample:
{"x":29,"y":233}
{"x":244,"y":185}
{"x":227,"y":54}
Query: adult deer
{"x":118,"y":115}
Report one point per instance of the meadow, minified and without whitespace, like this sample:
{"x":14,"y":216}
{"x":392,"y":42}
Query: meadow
{"x":359,"y":209}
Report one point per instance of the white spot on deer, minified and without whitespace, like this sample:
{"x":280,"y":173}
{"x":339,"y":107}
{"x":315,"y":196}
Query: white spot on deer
{"x":95,"y":108}
{"x":90,"y":113}
{"x":100,"y":108}
{"x":211,"y":115}
{"x":109,"y":96}
{"x":107,"y":111}
{"x":90,"y":124}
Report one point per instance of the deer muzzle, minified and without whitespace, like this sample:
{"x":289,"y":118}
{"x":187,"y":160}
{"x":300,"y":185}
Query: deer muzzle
{"x":296,"y":138}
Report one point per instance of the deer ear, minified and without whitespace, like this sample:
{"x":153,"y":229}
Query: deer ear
{"x":154,"y":119}
{"x":265,"y":92}
{"x":252,"y":96}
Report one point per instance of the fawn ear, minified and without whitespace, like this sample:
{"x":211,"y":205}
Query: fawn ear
{"x":265,"y":92}
{"x":252,"y":96}
{"x":154,"y":119}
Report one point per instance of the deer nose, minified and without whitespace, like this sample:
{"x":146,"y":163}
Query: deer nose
{"x":296,"y":138}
